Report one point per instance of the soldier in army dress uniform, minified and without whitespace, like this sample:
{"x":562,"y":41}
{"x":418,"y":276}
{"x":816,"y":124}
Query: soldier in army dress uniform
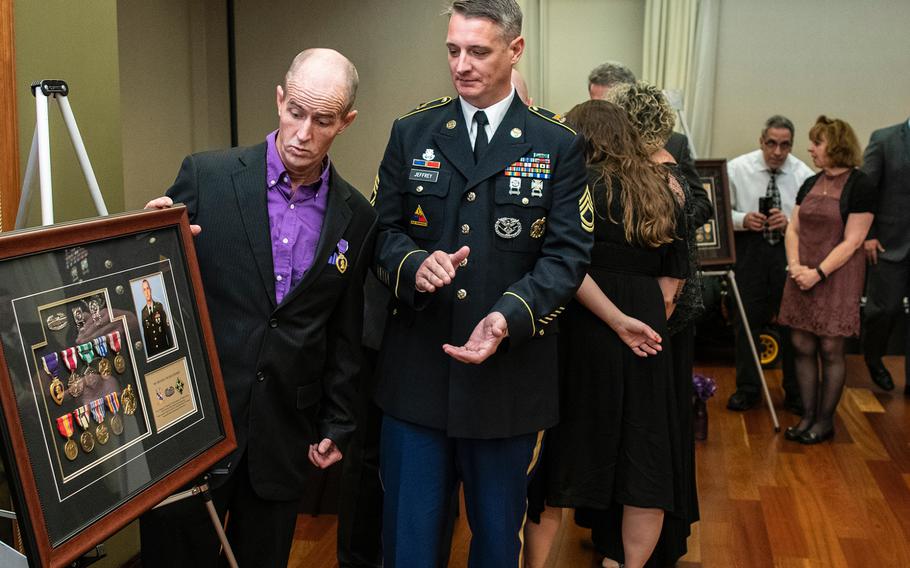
{"x":485,"y":233}
{"x":156,"y":329}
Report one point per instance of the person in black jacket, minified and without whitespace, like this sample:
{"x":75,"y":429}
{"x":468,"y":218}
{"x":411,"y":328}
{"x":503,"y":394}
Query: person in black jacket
{"x":887,"y":163}
{"x":607,"y":75}
{"x":283,"y":252}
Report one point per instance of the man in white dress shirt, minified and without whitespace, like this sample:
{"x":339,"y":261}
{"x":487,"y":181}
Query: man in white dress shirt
{"x":763,"y":187}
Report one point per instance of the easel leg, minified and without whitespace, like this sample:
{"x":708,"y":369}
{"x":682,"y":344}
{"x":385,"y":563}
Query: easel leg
{"x":203,"y":490}
{"x":761,"y":374}
{"x":216,"y":522}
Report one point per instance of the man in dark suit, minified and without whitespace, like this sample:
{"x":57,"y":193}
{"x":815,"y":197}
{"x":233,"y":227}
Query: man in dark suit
{"x":485,"y":233}
{"x":887,"y":162}
{"x":284,"y":248}
{"x":611,"y":73}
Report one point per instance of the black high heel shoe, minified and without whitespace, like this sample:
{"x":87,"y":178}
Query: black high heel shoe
{"x":812,"y":438}
{"x":793,"y":433}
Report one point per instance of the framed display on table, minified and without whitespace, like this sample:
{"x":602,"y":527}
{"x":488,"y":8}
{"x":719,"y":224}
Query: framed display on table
{"x":715,"y":238}
{"x":110,"y":387}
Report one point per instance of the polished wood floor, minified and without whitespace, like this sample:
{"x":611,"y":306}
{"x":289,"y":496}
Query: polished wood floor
{"x":765,"y":502}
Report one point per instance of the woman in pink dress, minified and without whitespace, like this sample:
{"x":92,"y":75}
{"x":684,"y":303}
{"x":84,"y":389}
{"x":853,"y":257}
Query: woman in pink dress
{"x":833,"y":213}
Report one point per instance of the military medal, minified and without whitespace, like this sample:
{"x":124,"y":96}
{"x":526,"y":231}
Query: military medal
{"x":129,"y":400}
{"x":85,"y":439}
{"x":114,"y":341}
{"x":87,"y":353}
{"x":94,"y":309}
{"x":65,"y":427}
{"x":104,"y":364}
{"x":74,"y":385}
{"x":113,"y":404}
{"x":101,"y":434}
{"x":341,"y":261}
{"x":79,"y":317}
{"x":50,"y":363}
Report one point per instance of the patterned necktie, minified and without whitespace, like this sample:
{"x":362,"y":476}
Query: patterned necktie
{"x":480,"y":142}
{"x":772,"y":236}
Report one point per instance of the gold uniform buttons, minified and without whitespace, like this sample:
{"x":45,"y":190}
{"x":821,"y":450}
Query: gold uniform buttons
{"x":419,"y":188}
{"x":472,"y":196}
{"x":463,"y":263}
{"x":524,"y":200}
{"x":461,"y":294}
{"x":465,"y":229}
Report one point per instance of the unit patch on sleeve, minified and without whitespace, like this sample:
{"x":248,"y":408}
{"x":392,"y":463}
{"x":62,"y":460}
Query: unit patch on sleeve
{"x":418,"y":218}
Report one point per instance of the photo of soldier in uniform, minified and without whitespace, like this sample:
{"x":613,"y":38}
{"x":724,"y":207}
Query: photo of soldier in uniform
{"x":153,"y":311}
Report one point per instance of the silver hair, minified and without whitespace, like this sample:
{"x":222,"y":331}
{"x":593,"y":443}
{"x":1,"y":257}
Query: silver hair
{"x":778,"y":121}
{"x":504,"y":13}
{"x":611,"y":73}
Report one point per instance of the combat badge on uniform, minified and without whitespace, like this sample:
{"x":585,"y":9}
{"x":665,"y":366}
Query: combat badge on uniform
{"x":507,"y":227}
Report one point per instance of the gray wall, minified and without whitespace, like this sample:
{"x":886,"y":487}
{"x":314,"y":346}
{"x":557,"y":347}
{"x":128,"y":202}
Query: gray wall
{"x":173,"y":89}
{"x":76,"y":42}
{"x":398,"y":49}
{"x":842,"y":58}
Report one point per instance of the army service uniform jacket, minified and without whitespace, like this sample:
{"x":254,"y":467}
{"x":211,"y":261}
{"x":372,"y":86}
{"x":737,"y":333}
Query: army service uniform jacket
{"x":526,"y":214}
{"x":156,"y":329}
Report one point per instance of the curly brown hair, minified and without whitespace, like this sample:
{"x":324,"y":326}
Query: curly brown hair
{"x":843,"y":146}
{"x":613,"y":146}
{"x":649,"y":111}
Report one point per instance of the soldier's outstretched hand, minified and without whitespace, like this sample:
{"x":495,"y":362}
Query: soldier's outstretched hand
{"x":484,"y":340}
{"x":439,"y":268}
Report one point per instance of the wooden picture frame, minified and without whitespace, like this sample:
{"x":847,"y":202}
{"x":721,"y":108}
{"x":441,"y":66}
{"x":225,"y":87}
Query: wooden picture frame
{"x":715,"y":238}
{"x":76,"y":331}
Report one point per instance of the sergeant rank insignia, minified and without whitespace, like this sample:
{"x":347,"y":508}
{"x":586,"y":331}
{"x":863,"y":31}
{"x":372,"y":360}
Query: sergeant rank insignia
{"x":418,"y":218}
{"x":586,"y":210}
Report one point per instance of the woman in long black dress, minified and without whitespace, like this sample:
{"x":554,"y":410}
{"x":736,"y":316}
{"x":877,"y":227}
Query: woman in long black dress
{"x":614,"y":443}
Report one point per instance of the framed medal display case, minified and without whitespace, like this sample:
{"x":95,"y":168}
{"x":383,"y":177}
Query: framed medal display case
{"x":111,"y":396}
{"x":715,"y":238}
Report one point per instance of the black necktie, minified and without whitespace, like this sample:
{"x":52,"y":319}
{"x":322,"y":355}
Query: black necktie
{"x":480,"y":142}
{"x":772,"y":236}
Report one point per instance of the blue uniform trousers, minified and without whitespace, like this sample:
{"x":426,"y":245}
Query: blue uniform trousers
{"x":420,"y":467}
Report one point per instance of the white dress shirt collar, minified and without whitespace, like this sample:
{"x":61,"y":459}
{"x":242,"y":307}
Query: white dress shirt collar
{"x":495,"y":115}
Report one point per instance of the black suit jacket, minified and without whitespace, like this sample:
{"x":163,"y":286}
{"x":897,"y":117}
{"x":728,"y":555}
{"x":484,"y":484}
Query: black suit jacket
{"x":530,"y":245}
{"x":887,"y":163}
{"x":678,"y":147}
{"x":288,"y":368}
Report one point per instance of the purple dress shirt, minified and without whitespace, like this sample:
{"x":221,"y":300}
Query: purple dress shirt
{"x":295,"y":220}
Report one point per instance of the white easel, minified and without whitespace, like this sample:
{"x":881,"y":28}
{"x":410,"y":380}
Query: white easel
{"x":40,"y":152}
{"x":675,"y":98}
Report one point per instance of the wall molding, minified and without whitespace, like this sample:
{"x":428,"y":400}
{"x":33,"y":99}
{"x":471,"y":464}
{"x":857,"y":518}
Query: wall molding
{"x":9,"y":138}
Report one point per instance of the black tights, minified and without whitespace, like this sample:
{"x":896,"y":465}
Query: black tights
{"x":819,"y":398}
